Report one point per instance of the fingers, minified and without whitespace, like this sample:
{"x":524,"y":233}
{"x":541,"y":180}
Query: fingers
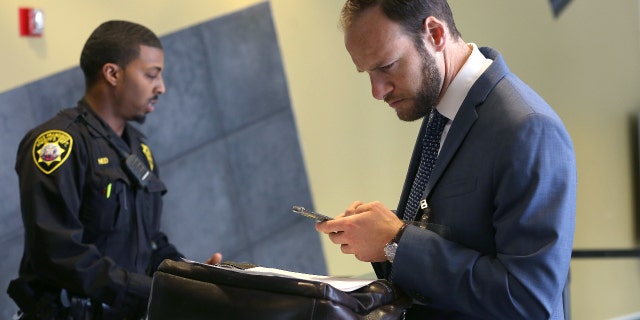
{"x":362,"y":230}
{"x":329,"y":227}
{"x":335,"y":237}
{"x":214,"y":259}
{"x":338,"y":225}
{"x":353,"y":208}
{"x":355,"y":204}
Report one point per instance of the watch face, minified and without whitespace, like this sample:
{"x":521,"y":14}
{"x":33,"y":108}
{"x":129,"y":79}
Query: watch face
{"x":390,"y":250}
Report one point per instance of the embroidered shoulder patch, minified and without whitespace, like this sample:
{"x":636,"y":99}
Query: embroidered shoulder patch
{"x":51,"y":149}
{"x":147,"y":153}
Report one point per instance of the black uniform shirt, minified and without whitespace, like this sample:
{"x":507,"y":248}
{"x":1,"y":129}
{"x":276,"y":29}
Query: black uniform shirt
{"x":89,"y":227}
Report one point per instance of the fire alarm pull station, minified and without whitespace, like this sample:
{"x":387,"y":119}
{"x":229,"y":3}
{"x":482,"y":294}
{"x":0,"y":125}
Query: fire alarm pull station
{"x":31,"y":22}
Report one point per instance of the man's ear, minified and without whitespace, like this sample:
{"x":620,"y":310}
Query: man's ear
{"x":111,"y":73}
{"x":435,"y":33}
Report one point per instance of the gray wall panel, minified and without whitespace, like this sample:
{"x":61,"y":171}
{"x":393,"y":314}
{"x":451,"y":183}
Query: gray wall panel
{"x":187,"y":113}
{"x":269,"y":174}
{"x":201,"y":217}
{"x":294,"y":247}
{"x":58,"y":91}
{"x":15,"y":121}
{"x":223,"y":136}
{"x":247,"y":89}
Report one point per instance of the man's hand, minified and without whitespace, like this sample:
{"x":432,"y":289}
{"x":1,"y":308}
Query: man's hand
{"x":363,"y":230}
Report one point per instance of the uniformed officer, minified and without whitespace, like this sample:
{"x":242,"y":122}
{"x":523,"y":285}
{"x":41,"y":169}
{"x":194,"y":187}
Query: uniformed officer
{"x":91,"y":197}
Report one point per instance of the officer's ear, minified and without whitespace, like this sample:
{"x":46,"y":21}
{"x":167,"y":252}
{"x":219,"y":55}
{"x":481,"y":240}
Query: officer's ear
{"x":111,"y":73}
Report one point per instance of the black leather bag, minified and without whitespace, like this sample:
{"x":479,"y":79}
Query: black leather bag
{"x":185,"y":290}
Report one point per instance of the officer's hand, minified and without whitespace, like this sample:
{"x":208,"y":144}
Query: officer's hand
{"x":214,"y":259}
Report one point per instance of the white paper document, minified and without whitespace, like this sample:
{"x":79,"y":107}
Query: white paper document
{"x":342,"y":283}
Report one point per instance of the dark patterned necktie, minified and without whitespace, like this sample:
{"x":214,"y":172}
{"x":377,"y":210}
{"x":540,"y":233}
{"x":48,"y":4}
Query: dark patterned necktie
{"x":430,"y":147}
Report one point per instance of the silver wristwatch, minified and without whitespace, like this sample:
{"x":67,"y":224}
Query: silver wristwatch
{"x":390,"y":250}
{"x":391,"y":247}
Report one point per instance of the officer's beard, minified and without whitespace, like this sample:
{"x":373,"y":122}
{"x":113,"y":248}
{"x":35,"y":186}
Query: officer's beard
{"x":140,"y":119}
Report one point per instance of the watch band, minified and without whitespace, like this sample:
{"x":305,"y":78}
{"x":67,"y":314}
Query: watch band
{"x":396,"y":239}
{"x":391,"y":247}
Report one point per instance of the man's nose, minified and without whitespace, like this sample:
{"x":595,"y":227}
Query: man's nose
{"x":160,"y":89}
{"x":380,"y":86}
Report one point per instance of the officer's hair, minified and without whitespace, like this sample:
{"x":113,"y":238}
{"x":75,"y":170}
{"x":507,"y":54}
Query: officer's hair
{"x":408,"y":13}
{"x":116,"y":42}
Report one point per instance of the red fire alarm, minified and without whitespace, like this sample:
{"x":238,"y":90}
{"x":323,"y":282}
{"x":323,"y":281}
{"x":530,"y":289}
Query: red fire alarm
{"x":31,"y":22}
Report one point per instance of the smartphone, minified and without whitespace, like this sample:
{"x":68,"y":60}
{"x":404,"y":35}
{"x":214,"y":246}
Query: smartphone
{"x":310,"y":214}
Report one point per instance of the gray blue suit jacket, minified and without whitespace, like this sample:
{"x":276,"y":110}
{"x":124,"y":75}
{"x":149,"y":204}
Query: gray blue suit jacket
{"x":504,"y":187}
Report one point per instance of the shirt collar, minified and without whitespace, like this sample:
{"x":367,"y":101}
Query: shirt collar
{"x":457,"y":91}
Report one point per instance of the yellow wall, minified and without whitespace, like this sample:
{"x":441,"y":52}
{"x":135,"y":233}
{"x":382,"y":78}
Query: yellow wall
{"x":586,"y":64}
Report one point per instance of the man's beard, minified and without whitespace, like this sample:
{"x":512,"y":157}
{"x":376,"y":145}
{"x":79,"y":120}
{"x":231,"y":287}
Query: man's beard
{"x":429,"y":90}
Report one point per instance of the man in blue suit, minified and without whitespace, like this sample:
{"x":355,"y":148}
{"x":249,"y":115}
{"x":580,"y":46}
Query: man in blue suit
{"x":489,"y":234}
